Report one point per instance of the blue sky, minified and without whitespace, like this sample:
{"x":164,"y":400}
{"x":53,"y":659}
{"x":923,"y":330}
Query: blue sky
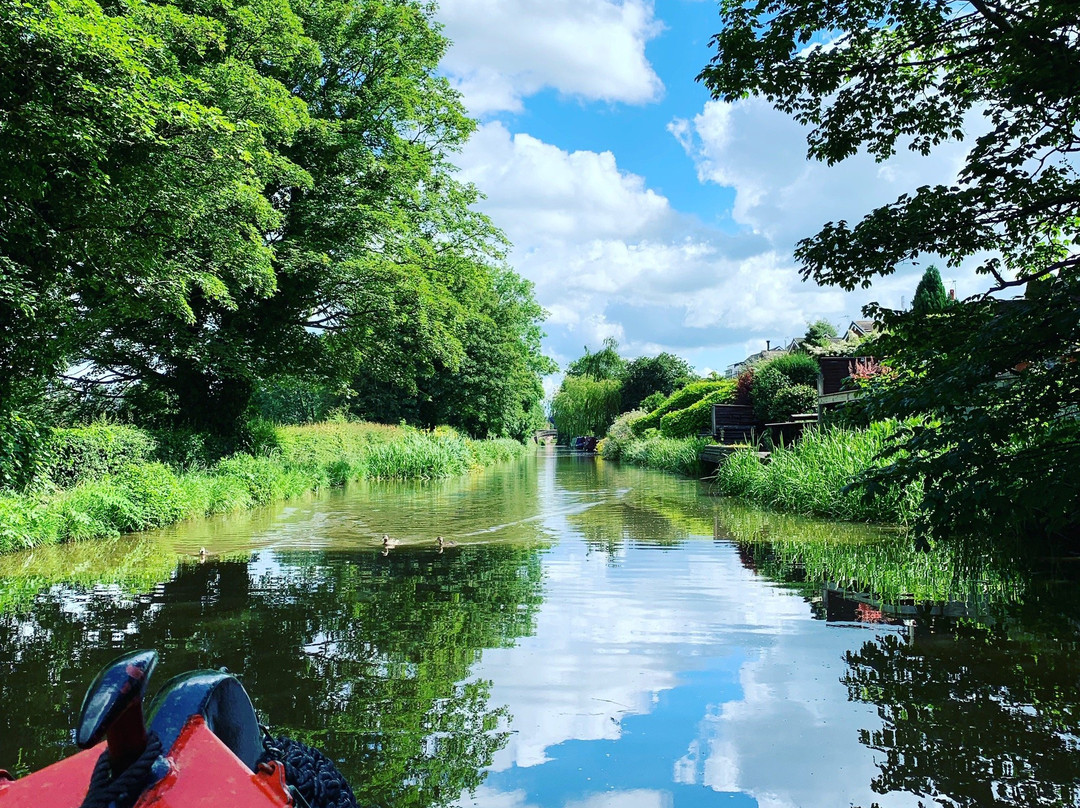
{"x":639,"y":207}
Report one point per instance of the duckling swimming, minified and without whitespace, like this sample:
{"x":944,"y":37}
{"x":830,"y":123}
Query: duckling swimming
{"x":387,"y":542}
{"x":442,"y":543}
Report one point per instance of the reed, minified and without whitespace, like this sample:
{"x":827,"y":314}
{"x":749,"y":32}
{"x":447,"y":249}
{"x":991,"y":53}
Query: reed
{"x":815,"y":477}
{"x":678,"y":455}
{"x":141,"y":496}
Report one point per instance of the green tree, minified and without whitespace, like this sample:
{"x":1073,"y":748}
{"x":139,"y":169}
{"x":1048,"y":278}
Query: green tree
{"x":995,"y":376}
{"x":218,"y":198}
{"x":496,"y":390}
{"x":585,"y":406}
{"x":604,"y":364}
{"x":646,"y":375}
{"x":135,"y":146}
{"x":930,"y":296}
{"x":818,"y":333}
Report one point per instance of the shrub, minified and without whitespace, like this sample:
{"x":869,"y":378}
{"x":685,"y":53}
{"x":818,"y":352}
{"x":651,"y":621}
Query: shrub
{"x":768,"y":382}
{"x":620,"y":434}
{"x":680,"y":399}
{"x":85,"y":453}
{"x":653,"y":401}
{"x":800,"y":368}
{"x":779,"y":374}
{"x":696,"y":418}
{"x":793,"y":399}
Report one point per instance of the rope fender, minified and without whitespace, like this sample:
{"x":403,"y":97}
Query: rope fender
{"x":314,"y":776}
{"x":123,"y":790}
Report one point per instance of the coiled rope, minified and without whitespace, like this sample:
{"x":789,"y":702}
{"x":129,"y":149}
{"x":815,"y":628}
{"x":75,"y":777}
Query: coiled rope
{"x":123,"y":790}
{"x":313,"y":775}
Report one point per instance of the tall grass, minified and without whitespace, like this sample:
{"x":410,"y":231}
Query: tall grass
{"x":678,"y":455}
{"x":812,"y":477}
{"x":140,"y":496}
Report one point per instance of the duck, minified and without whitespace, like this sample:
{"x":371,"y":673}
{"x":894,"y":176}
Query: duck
{"x":442,"y":543}
{"x":387,"y":542}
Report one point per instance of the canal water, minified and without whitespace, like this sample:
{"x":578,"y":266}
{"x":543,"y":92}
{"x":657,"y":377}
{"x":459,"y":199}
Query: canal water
{"x":596,"y":636}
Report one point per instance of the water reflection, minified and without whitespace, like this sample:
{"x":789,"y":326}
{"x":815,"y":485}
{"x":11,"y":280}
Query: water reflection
{"x":601,"y":636}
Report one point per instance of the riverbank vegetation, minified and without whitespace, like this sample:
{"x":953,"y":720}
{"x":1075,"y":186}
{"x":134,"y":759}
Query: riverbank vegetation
{"x":816,"y":476}
{"x":220,"y":217}
{"x":124,"y":486}
{"x":600,"y":385}
{"x":993,"y":378}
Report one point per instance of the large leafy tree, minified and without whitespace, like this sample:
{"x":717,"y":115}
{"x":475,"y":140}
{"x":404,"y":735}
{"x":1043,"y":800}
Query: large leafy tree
{"x":997,"y":376}
{"x":365,"y":256}
{"x":646,"y":375}
{"x":585,"y":405}
{"x":205,"y":198}
{"x":135,"y":146}
{"x":496,"y":390}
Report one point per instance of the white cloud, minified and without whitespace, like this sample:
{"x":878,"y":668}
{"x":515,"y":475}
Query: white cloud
{"x":761,"y":153}
{"x":505,"y":50}
{"x":611,"y":257}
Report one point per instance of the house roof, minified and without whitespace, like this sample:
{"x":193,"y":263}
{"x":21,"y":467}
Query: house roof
{"x":862,"y":326}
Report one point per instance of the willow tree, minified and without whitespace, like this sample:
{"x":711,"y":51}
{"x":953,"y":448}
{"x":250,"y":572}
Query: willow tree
{"x":586,"y":406}
{"x":996,"y":376}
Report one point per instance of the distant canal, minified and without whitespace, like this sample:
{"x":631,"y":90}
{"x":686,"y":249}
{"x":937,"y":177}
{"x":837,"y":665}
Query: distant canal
{"x":596,"y":637}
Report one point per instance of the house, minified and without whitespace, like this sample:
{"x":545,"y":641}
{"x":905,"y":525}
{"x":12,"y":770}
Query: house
{"x":754,"y":359}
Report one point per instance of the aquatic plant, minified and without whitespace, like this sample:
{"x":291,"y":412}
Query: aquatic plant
{"x":141,"y":496}
{"x":679,"y":455}
{"x":815,"y":476}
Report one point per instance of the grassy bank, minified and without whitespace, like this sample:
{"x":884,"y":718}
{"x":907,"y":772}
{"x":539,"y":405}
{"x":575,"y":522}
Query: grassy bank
{"x":811,"y":477}
{"x":652,"y":450}
{"x":125,"y":489}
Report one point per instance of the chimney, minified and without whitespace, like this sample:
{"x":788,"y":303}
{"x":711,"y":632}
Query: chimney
{"x":768,"y":343}
{"x":952,"y":294}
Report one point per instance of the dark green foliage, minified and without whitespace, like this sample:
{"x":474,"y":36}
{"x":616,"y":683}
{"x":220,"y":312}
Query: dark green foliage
{"x":90,"y":452}
{"x":777,"y":376}
{"x":798,"y":398}
{"x":930,"y":296}
{"x":648,"y":375}
{"x":996,"y":446}
{"x":294,"y":400}
{"x":769,"y":382}
{"x":697,"y":418}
